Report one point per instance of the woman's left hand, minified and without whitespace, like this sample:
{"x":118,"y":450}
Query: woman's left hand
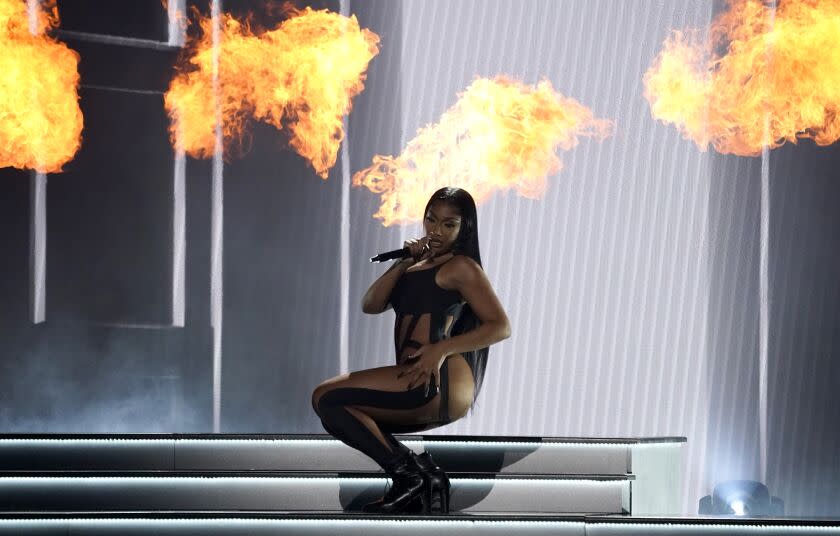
{"x":426,"y":369}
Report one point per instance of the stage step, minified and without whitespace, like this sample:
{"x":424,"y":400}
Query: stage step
{"x":278,"y":491}
{"x":307,"y":524}
{"x":316,"y":453}
{"x":503,"y":474}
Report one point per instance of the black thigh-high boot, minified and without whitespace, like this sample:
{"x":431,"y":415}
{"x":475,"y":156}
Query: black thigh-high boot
{"x":398,"y":461}
{"x":413,"y":506}
{"x":343,"y":425}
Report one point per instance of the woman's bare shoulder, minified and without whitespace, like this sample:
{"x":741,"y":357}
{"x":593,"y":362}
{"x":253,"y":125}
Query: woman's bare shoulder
{"x":459,"y":270}
{"x":464,"y":262}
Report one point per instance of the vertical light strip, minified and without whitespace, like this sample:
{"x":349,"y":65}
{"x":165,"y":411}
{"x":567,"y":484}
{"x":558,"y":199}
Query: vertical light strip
{"x":763,"y":305}
{"x":38,"y":218}
{"x":176,"y":11}
{"x":177,"y":37}
{"x":406,"y":68}
{"x":764,"y":284}
{"x":38,"y":247}
{"x":179,"y":239}
{"x":344,"y":251}
{"x":216,"y":223}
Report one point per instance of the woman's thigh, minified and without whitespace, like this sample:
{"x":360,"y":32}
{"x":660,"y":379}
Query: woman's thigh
{"x":389,"y":409}
{"x":379,"y":379}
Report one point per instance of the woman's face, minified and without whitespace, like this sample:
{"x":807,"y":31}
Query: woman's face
{"x":442,"y":224}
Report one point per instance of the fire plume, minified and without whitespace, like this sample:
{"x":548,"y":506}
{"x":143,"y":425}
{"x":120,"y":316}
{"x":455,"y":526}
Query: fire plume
{"x":300,"y":76}
{"x":500,"y":134}
{"x":40,"y":118}
{"x":762,"y":77}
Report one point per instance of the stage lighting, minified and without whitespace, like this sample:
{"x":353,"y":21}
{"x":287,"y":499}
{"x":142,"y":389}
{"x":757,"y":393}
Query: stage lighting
{"x":745,"y":498}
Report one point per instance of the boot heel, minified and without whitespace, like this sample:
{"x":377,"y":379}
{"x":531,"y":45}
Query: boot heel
{"x":444,"y":498}
{"x":439,"y":494}
{"x":430,"y":494}
{"x":436,"y":482}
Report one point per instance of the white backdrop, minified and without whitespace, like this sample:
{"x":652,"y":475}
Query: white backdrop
{"x":605,"y":278}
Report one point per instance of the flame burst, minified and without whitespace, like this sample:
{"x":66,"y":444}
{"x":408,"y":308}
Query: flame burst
{"x":40,"y":118}
{"x":301,"y":76}
{"x":500,"y":134}
{"x":777,"y":79}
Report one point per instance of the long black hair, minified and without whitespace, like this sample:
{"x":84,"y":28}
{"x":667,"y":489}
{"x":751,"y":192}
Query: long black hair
{"x":465,"y":244}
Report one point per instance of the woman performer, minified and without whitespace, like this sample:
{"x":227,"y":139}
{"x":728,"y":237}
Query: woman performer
{"x":446,"y":316}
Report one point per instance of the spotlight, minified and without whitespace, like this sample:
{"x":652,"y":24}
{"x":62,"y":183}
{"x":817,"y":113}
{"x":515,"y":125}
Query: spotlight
{"x":745,"y":498}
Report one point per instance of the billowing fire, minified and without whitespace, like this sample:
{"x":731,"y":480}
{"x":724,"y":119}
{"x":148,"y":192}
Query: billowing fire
{"x":760,"y":78}
{"x":500,"y":134}
{"x":40,"y":118}
{"x":300,"y":77}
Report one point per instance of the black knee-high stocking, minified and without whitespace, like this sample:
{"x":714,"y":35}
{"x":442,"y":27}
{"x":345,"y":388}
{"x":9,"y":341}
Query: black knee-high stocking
{"x":339,"y":422}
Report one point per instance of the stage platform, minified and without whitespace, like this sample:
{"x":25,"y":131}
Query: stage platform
{"x":313,"y":484}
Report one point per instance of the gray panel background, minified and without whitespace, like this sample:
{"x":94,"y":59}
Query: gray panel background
{"x":804,"y":344}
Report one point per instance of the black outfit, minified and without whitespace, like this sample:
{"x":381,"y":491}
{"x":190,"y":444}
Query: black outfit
{"x":418,"y":301}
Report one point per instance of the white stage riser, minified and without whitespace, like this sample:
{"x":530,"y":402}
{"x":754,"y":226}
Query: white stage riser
{"x":654,"y":463}
{"x":105,"y":494}
{"x":312,"y":455}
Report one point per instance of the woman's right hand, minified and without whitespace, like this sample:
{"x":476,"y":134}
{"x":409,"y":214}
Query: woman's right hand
{"x":419,"y":248}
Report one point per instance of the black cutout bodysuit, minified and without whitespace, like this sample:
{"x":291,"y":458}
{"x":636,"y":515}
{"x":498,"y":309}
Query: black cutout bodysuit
{"x":425,"y":313}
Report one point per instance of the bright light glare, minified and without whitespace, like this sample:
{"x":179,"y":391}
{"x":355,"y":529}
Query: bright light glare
{"x":739,"y":508}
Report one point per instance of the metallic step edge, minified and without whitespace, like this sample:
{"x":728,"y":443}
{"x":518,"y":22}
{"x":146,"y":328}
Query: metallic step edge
{"x":324,"y":437}
{"x":5,"y":475}
{"x":457,"y":516}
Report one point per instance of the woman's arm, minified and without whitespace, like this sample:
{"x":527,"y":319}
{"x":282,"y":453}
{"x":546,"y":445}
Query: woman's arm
{"x":375,"y":299}
{"x":470,"y":280}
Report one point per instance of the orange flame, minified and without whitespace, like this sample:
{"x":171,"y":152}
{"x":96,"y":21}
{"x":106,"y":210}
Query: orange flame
{"x":40,"y":118}
{"x":500,"y":134}
{"x":301,"y":75}
{"x":778,"y":79}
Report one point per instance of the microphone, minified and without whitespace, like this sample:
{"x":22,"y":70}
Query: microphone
{"x":393,"y":254}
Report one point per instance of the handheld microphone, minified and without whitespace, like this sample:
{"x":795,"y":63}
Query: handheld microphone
{"x":393,"y":254}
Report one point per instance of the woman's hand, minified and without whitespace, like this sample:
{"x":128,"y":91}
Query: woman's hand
{"x":419,"y":248}
{"x":426,"y":368}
